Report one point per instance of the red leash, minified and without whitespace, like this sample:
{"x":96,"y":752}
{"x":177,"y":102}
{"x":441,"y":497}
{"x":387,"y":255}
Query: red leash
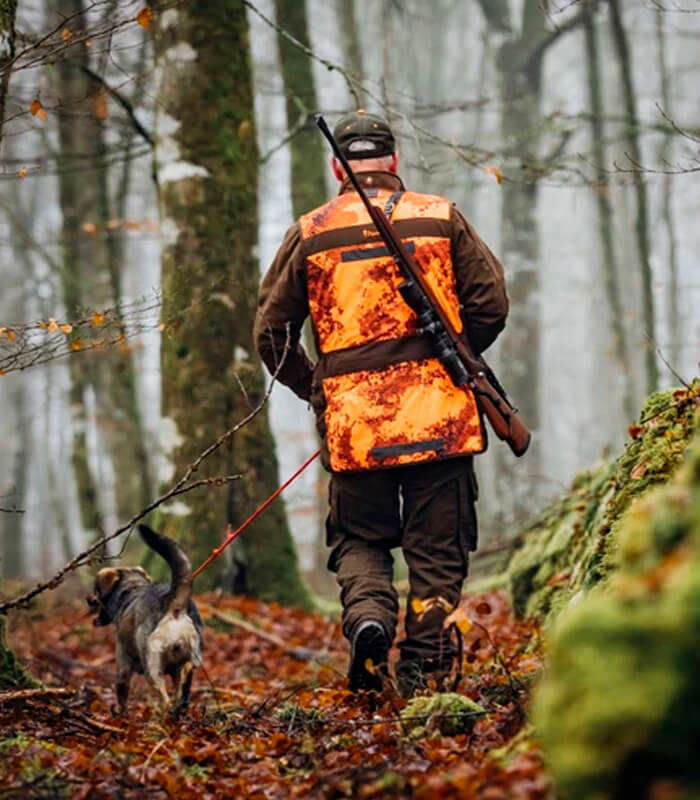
{"x":231,"y":535}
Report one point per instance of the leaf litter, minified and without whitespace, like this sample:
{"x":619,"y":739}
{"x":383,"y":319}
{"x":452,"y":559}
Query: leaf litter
{"x":270,"y":715}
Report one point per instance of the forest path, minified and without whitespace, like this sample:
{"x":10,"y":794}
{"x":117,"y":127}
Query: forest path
{"x":266,"y":721}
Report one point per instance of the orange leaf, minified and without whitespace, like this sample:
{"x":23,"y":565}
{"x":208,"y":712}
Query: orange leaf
{"x":66,"y":34}
{"x":10,"y":334}
{"x":53,"y":325}
{"x":22,"y":173}
{"x":161,"y":327}
{"x":144,"y":17}
{"x":369,"y":666}
{"x":43,"y":325}
{"x":417,"y":605}
{"x":496,"y":172}
{"x":459,"y":618}
{"x":89,"y":228}
{"x":98,"y":318}
{"x":76,"y":344}
{"x":66,"y":328}
{"x":635,"y":431}
{"x":99,"y":104}
{"x":35,"y":107}
{"x":2,"y":372}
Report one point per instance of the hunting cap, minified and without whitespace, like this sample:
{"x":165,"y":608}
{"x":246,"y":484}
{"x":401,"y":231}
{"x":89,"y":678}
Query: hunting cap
{"x":363,"y":135}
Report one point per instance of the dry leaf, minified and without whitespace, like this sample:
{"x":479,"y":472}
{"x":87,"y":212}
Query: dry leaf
{"x":496,"y":172}
{"x":369,"y":666}
{"x":144,"y":17}
{"x":76,"y":344}
{"x":66,"y":34}
{"x":99,"y":104}
{"x":417,"y":605}
{"x":640,"y":469}
{"x":53,"y":325}
{"x":36,"y":109}
{"x":459,"y":618}
{"x":635,"y":431}
{"x":66,"y":328}
{"x":483,"y":609}
{"x":161,"y":327}
{"x":89,"y":227}
{"x":98,"y":318}
{"x":2,"y":372}
{"x":10,"y":334}
{"x":22,"y":173}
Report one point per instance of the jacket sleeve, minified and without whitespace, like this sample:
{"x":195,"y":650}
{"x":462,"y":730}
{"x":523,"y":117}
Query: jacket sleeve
{"x":283,"y":306}
{"x":480,"y":285}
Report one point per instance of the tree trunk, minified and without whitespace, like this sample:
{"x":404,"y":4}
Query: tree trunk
{"x":207,"y":173}
{"x":79,"y":198}
{"x":605,"y":214}
{"x":306,"y":147}
{"x":672,"y":306}
{"x":8,"y":10}
{"x":631,"y":134}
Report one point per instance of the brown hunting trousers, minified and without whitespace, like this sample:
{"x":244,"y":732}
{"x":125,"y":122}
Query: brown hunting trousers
{"x":428,"y":511}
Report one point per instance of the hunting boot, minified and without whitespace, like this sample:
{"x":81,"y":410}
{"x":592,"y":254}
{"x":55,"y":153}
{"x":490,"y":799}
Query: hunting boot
{"x":368,"y":660}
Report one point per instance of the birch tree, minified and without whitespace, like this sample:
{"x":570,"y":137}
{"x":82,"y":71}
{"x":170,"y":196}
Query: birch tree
{"x":206,"y":166}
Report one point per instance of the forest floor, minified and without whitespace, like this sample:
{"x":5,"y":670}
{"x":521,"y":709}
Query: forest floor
{"x":270,"y":716}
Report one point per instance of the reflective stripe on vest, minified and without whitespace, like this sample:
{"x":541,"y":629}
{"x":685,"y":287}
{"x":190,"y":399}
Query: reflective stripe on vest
{"x":404,"y":412}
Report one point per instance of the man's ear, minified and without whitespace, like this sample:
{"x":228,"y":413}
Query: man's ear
{"x":107,"y":579}
{"x":338,"y":171}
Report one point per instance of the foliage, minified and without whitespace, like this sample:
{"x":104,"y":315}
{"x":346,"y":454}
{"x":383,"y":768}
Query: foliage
{"x":620,"y":704}
{"x":571,"y":545}
{"x":264,"y":723}
{"x":448,"y":712}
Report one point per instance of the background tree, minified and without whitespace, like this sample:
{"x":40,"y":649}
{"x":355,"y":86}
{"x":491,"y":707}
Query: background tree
{"x":206,"y":159}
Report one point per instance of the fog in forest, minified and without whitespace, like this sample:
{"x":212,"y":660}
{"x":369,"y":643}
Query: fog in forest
{"x":566,"y":132}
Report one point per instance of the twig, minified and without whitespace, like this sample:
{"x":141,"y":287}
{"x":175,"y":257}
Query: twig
{"x":35,"y":694}
{"x":300,"y":653}
{"x":150,"y":756}
{"x":21,"y":601}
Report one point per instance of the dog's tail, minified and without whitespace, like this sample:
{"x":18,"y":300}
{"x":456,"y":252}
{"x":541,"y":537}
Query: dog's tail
{"x":180,"y":568}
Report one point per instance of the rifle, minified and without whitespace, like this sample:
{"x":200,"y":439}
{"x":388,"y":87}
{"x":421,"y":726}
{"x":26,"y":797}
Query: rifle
{"x":453,"y":351}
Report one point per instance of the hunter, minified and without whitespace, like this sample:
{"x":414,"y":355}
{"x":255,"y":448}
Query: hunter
{"x":398,"y":437}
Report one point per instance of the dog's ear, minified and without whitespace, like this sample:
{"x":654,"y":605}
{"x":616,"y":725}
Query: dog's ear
{"x":106,"y":579}
{"x":144,"y":573}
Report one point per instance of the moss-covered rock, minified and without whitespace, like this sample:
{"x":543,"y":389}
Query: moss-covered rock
{"x":619,"y":707}
{"x":12,"y":673}
{"x":572,"y":545}
{"x":447,"y":713}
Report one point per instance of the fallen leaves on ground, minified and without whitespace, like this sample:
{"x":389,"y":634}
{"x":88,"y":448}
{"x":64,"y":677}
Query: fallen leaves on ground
{"x":270,"y":716}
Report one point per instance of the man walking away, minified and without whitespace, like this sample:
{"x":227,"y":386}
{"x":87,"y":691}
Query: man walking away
{"x":397,"y":436}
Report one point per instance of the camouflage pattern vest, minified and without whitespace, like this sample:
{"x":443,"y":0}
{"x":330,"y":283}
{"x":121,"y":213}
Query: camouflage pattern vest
{"x":382,"y":399}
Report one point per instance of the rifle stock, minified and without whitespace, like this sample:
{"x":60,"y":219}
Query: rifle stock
{"x":455,"y":354}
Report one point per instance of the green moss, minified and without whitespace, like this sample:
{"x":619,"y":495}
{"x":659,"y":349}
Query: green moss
{"x":620,"y":703}
{"x":12,"y":673}
{"x":448,"y":713}
{"x":573,"y":545}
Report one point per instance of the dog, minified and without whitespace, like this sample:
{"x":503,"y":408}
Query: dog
{"x":159,"y":630}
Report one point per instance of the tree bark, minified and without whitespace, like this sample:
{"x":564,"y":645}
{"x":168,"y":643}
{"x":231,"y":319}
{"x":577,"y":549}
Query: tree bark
{"x":207,"y":158}
{"x":672,"y":306}
{"x":605,"y":213}
{"x":8,"y":11}
{"x":631,"y":134}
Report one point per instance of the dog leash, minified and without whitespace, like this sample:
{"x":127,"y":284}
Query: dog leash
{"x":231,"y":535}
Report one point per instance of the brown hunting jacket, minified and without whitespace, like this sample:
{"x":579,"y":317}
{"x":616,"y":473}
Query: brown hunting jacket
{"x":333,"y":266}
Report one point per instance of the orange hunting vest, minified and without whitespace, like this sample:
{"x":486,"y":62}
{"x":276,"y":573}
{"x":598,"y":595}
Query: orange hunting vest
{"x":386,"y":400}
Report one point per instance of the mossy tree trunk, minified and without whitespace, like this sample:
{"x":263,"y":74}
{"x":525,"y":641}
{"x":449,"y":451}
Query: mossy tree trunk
{"x":8,"y":11}
{"x":207,"y":161}
{"x":308,"y":190}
